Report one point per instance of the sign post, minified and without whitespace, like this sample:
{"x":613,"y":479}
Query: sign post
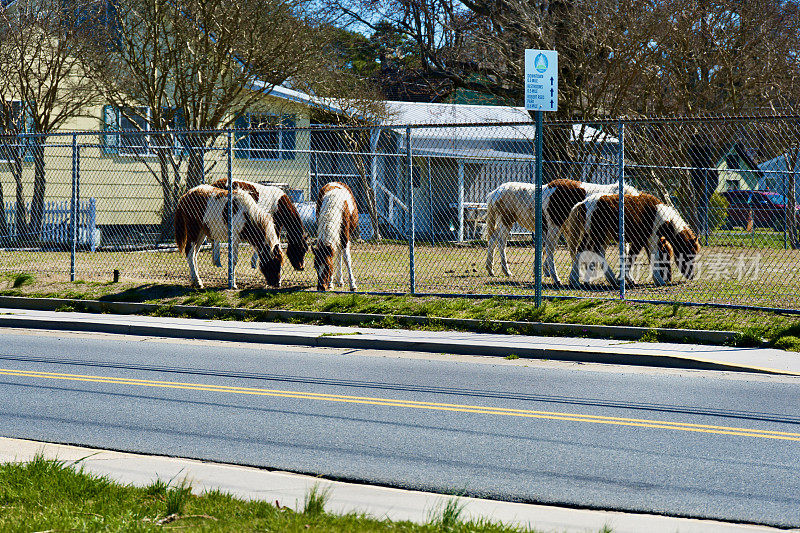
{"x":541,"y":94}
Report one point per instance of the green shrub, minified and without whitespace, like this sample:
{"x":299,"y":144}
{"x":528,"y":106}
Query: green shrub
{"x":718,"y":211}
{"x":789,"y":343}
{"x":23,"y":278}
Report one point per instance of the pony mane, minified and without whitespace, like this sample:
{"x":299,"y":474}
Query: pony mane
{"x":666,"y":214}
{"x":257,"y":216}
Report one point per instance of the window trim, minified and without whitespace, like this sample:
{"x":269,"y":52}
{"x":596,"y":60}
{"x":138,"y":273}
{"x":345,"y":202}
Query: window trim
{"x":121,"y":146}
{"x":111,"y":140}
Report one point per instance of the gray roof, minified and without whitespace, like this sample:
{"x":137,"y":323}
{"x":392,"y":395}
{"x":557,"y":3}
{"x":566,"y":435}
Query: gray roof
{"x":471,"y":155}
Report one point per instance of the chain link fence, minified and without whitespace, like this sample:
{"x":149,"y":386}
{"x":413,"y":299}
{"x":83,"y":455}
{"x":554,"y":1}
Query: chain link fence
{"x":82,"y":206}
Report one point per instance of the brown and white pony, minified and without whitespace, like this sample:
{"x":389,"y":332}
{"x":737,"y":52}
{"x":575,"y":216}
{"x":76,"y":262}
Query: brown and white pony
{"x":650,"y":225}
{"x":203,"y":212}
{"x":275,"y":202}
{"x":337,"y":220}
{"x":515,"y":202}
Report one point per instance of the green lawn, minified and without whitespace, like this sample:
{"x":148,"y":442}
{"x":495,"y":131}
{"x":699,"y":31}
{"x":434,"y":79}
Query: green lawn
{"x":47,"y":495}
{"x":758,"y":238}
{"x":766,"y":276}
{"x":778,"y":328}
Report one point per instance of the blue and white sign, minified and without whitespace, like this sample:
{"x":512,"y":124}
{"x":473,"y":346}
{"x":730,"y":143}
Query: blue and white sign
{"x":541,"y":80}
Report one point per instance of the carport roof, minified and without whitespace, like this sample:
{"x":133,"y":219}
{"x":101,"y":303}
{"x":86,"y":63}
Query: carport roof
{"x":470,"y":155}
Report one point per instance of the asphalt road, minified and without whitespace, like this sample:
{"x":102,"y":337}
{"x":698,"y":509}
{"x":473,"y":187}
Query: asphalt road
{"x":682,"y":443}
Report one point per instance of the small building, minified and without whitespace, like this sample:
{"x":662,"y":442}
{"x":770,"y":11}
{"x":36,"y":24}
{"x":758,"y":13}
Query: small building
{"x":459,"y":153}
{"x":779,"y":175}
{"x":737,"y":171}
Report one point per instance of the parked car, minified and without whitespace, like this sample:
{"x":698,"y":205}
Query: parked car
{"x":765,"y":209}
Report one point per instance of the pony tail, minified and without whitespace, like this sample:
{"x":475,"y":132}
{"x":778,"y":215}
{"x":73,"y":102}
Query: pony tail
{"x":180,"y":229}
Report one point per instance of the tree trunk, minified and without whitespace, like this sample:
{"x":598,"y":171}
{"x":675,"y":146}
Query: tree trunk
{"x":20,"y":212}
{"x":195,"y":172}
{"x":4,"y":236}
{"x":167,"y":229}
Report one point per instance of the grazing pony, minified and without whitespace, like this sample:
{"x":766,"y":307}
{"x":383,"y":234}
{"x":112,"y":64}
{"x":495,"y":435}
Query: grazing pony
{"x":516,"y":202}
{"x":337,"y":219}
{"x":650,"y":225}
{"x":203,"y":212}
{"x":275,"y":202}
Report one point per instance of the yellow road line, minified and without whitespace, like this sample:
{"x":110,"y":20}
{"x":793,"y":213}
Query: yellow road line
{"x":461,"y":408}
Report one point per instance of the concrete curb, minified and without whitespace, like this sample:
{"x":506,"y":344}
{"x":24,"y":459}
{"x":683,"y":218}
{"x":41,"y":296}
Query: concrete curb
{"x":359,"y":340}
{"x":352,"y":319}
{"x":366,"y":342}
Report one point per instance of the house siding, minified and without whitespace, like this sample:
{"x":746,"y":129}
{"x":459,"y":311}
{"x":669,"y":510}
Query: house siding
{"x":124,"y":186}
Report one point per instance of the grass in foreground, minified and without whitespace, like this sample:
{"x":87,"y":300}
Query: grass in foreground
{"x":779,"y":329}
{"x":48,"y":495}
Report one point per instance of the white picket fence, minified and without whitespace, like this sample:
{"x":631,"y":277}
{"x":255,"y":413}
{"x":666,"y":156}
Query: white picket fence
{"x":56,"y":223}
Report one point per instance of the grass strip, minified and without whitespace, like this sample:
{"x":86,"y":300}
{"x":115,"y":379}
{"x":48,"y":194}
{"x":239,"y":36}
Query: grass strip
{"x":754,"y":327}
{"x":50,"y":495}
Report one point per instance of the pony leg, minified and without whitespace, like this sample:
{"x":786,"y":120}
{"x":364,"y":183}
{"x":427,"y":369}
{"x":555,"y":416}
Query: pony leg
{"x":235,"y":245}
{"x":254,"y":260}
{"x":215,"y":256}
{"x":340,"y":267}
{"x":504,"y":234}
{"x":336,"y":273}
{"x":611,"y":277}
{"x":655,"y":265}
{"x":349,"y":263}
{"x":551,"y":236}
{"x":629,"y":258}
{"x":191,"y":258}
{"x":575,"y":273}
{"x":490,"y":244}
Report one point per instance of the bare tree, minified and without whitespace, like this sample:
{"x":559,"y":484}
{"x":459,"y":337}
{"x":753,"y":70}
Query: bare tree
{"x":42,"y":50}
{"x":355,"y":102}
{"x":9,"y":126}
{"x":197,"y":65}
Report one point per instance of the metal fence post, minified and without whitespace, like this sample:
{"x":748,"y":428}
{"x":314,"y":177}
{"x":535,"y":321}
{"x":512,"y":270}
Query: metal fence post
{"x":229,"y":154}
{"x":621,"y":173}
{"x":537,"y":267}
{"x":786,"y":212}
{"x":460,"y":200}
{"x":74,"y":207}
{"x":411,"y":224}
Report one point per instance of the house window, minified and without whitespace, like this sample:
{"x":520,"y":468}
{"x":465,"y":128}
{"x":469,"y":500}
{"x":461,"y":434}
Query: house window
{"x":732,"y":185}
{"x":132,"y":123}
{"x":271,"y":137}
{"x":17,"y":118}
{"x":134,"y":120}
